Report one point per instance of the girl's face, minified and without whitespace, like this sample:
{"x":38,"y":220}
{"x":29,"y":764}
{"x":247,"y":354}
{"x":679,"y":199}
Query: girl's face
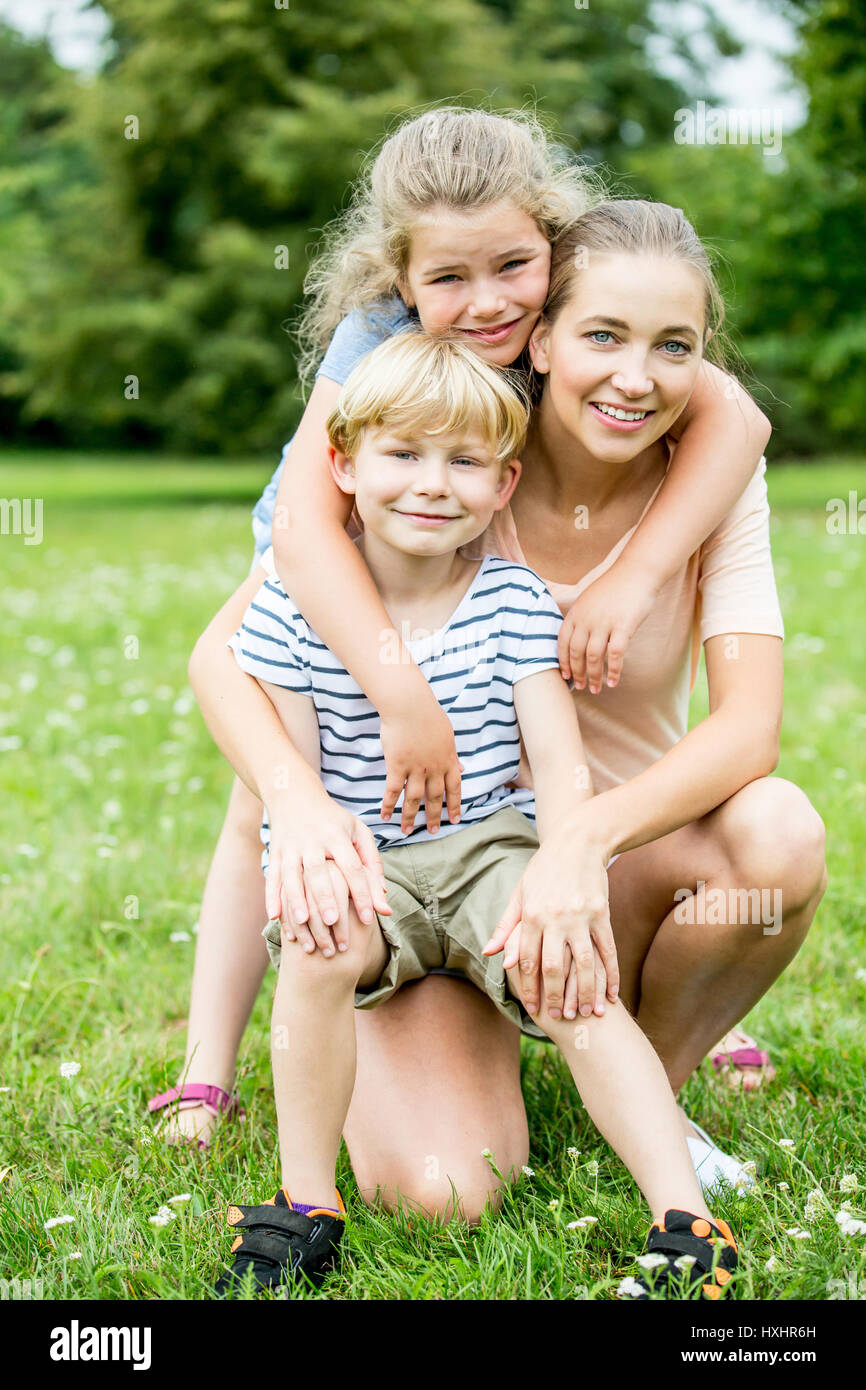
{"x":484,"y":272}
{"x":623,"y":354}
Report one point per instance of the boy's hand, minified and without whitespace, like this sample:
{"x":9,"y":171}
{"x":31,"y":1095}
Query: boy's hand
{"x":560,"y":908}
{"x":307,"y":845}
{"x":421,"y":756}
{"x":600,"y":624}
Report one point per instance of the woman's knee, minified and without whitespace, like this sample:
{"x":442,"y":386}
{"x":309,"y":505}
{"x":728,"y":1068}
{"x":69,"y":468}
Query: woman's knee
{"x":774,"y":838}
{"x":463,"y":1193}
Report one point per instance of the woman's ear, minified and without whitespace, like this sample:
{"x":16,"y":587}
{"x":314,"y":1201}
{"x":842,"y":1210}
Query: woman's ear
{"x":539,"y":347}
{"x":342,"y":470}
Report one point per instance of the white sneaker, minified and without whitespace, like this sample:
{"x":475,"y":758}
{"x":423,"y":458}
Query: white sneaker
{"x":713,"y":1166}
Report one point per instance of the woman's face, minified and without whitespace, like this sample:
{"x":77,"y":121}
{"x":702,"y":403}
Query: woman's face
{"x":624,"y":352}
{"x":484,"y":272}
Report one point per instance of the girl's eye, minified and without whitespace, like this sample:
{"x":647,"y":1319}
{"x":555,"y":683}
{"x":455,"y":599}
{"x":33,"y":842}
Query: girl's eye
{"x":675,"y":343}
{"x":598,"y":333}
{"x":509,"y":265}
{"x":445,"y":279}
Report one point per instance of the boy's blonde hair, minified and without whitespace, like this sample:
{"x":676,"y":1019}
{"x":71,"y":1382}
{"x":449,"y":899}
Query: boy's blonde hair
{"x":453,"y":157}
{"x":414,"y":383}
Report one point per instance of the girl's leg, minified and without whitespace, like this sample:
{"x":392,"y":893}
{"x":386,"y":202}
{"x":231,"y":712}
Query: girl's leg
{"x":230,"y":959}
{"x":628,"y":1097}
{"x":690,"y":971}
{"x":438,"y":1082}
{"x":313,"y":1055}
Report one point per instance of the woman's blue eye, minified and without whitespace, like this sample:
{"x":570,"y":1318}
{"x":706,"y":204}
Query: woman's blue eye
{"x":674,"y":343}
{"x":601,"y":333}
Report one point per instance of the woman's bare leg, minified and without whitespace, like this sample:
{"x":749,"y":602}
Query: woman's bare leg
{"x":688,"y":983}
{"x":230,"y":958}
{"x":438,"y":1081}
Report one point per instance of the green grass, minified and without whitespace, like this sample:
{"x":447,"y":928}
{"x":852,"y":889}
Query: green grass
{"x":111,"y":796}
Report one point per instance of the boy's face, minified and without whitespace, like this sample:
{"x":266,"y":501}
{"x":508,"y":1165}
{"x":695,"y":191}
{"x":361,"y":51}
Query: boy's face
{"x":425,"y":496}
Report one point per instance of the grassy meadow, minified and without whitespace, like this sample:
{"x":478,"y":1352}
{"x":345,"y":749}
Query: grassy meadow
{"x":111,"y":797}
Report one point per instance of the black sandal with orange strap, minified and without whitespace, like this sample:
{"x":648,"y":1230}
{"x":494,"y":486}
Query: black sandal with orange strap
{"x":279,"y":1245}
{"x":699,"y":1254}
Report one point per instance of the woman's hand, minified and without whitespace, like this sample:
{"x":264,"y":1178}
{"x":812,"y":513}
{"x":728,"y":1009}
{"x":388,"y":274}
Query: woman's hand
{"x":306,"y":846}
{"x":421,"y":757}
{"x":557,"y":921}
{"x":600,"y":624}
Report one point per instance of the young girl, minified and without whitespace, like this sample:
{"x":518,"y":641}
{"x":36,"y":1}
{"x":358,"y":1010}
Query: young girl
{"x":686,"y":812}
{"x":453,"y":228}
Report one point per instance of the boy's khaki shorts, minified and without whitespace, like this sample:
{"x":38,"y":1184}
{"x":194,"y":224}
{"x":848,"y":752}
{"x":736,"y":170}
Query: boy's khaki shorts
{"x":447,"y":895}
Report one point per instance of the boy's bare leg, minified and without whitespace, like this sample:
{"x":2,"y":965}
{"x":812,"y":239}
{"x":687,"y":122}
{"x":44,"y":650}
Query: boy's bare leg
{"x":230,"y":960}
{"x":628,"y":1096}
{"x":313,"y":1053}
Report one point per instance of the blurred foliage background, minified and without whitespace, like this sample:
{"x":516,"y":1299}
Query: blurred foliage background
{"x":155,"y":256}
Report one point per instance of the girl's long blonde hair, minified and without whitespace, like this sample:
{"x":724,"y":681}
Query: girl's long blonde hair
{"x":453,"y":157}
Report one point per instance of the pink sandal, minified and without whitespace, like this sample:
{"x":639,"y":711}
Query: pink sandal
{"x":213,"y":1098}
{"x":739,"y":1058}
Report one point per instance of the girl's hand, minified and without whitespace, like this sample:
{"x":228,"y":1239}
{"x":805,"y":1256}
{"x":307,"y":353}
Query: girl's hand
{"x":421,"y":757}
{"x":600,"y":624}
{"x":560,"y":906}
{"x":306,"y":845}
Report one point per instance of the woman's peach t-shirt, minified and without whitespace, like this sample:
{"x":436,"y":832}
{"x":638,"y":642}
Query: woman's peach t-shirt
{"x":727,"y":586}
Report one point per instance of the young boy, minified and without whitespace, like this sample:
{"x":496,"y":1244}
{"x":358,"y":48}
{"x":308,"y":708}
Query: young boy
{"x":425,"y":436}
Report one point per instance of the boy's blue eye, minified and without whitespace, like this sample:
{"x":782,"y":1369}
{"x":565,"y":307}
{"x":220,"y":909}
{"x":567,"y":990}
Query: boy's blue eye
{"x":473,"y":463}
{"x":403,"y":454}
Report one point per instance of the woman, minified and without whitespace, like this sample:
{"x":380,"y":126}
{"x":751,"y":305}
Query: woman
{"x":633,"y":305}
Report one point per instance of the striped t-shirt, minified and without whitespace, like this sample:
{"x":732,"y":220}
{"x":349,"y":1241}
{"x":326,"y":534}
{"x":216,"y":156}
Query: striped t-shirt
{"x":504,"y":628}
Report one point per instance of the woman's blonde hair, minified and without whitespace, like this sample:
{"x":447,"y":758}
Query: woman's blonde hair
{"x":453,"y":157}
{"x":414,"y":383}
{"x":639,"y":227}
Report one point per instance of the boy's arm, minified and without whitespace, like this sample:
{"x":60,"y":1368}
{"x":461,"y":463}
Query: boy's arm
{"x":252,"y":736}
{"x":721,"y":437}
{"x":560,"y":776}
{"x":329,"y":581}
{"x":554,"y":748}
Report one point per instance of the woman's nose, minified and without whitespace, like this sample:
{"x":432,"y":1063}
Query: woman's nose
{"x":632,"y":380}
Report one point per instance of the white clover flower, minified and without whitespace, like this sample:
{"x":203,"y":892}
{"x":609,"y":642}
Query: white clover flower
{"x":630,"y":1288}
{"x":57,"y":1221}
{"x":850,"y":1225}
{"x":178,"y":936}
{"x":592,"y":1168}
{"x":651,"y":1261}
{"x":181,"y":1197}
{"x":771,"y":1265}
{"x":749,"y":1168}
{"x":796,"y":1234}
{"x":783,"y":1186}
{"x":530,"y":1172}
{"x":860,"y":975}
{"x":814,"y":1204}
{"x":581,"y":1223}
{"x":139,"y":707}
{"x":573,"y":1153}
{"x":786,"y":1144}
{"x":163,"y":1217}
{"x":685,"y":1261}
{"x":849,"y":1183}
{"x":75,"y":1255}
{"x":29,"y":851}
{"x":552,"y":1206}
{"x":69,"y":1069}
